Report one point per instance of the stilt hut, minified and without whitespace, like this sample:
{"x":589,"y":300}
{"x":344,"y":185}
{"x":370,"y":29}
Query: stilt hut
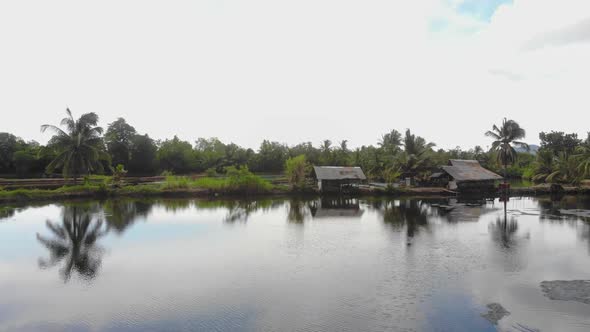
{"x":338,"y":179}
{"x":469,"y":176}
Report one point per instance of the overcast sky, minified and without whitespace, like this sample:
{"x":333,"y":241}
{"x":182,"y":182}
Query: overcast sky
{"x":295,"y":71}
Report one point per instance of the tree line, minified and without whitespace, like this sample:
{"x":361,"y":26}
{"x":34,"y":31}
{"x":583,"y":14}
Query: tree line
{"x":79,"y":147}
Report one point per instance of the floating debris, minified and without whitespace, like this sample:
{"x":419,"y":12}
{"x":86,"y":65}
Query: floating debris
{"x":564,"y":290}
{"x":576,"y":212}
{"x":524,"y":328}
{"x":495,"y":313}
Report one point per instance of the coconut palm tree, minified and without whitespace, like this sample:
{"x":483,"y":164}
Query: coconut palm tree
{"x":79,"y":147}
{"x":583,"y":156}
{"x":566,"y":170}
{"x":543,"y":165}
{"x":505,"y":139}
{"x":415,"y":158}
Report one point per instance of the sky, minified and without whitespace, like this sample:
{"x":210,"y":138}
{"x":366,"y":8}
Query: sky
{"x":295,"y":71}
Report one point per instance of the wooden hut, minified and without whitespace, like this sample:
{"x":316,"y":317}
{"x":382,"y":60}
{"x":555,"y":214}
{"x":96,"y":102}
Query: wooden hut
{"x":338,"y":179}
{"x":469,"y":176}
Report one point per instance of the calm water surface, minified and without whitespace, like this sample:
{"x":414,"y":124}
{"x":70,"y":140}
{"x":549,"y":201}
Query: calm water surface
{"x":293,"y":265}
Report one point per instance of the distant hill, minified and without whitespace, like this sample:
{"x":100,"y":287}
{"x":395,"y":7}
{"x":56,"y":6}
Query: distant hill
{"x":533,"y":149}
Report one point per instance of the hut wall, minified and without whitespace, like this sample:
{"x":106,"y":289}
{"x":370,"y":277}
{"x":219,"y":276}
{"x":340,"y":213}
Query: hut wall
{"x":335,"y":185}
{"x":487,"y":186}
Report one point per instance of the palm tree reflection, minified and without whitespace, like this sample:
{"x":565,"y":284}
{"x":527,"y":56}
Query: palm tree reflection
{"x":74,"y":243}
{"x":503,"y":231}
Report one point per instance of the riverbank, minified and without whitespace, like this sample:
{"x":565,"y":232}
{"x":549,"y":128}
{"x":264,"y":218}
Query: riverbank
{"x":167,"y":190}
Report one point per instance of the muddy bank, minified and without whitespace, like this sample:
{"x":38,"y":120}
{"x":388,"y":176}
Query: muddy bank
{"x":567,"y":290}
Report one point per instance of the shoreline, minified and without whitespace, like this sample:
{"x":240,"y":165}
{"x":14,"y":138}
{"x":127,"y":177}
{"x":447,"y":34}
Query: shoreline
{"x":39,"y":195}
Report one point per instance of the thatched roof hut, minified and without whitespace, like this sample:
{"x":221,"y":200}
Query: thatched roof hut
{"x":334,"y":178}
{"x":469,"y":175}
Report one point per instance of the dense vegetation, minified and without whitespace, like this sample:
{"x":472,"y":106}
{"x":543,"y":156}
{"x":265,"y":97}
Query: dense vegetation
{"x":80,"y":149}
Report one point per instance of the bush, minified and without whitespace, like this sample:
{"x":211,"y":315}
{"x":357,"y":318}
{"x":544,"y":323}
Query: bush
{"x":296,"y":169}
{"x":211,"y":172}
{"x":242,"y":180}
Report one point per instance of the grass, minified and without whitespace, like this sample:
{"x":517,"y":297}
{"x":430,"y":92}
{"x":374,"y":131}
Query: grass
{"x":236,"y":182}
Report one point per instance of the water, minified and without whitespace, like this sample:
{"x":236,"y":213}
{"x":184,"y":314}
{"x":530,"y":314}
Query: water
{"x":293,"y":265}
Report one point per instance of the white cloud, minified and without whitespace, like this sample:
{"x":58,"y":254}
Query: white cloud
{"x":293,"y":71}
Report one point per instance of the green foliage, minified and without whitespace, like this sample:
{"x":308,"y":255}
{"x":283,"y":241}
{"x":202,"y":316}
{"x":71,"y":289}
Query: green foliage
{"x":558,"y":142}
{"x":241,"y":180}
{"x":583,"y":157}
{"x":565,"y":170}
{"x":118,"y":139}
{"x":79,"y":147}
{"x":24,"y":161}
{"x":119,"y":173}
{"x":9,"y":144}
{"x":237,"y":180}
{"x":506,"y":137}
{"x":297,"y":170}
{"x":80,"y":150}
{"x":177,"y":156}
{"x":143,"y":157}
{"x":271,"y":157}
{"x":211,"y":172}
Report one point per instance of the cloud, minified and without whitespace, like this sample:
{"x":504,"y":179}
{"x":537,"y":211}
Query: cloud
{"x":296,"y":71}
{"x":578,"y":32}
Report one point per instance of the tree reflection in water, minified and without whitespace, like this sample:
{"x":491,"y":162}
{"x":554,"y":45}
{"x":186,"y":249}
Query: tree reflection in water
{"x":239,"y":210}
{"x":413,"y":214}
{"x":74,"y":243}
{"x":300,"y":210}
{"x":503,"y":231}
{"x":120,"y":214}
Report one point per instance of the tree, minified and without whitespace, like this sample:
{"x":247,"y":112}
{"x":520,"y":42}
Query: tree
{"x":118,"y":138}
{"x":414,"y":160}
{"x":566,"y":170}
{"x":505,"y":139}
{"x":584,"y":158}
{"x":9,"y":144}
{"x":24,"y":161}
{"x":80,"y":147}
{"x":326,"y":152}
{"x":558,"y":142}
{"x":312,"y":155}
{"x":143,"y":155}
{"x":177,"y":156}
{"x":271,"y":157}
{"x":340,"y":156}
{"x":296,"y":169}
{"x":543,"y":166}
{"x":391,"y":142}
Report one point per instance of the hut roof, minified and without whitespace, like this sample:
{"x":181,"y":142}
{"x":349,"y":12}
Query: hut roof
{"x":338,"y":173}
{"x":469,"y":170}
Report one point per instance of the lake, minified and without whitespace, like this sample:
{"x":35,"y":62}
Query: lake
{"x":332,"y":264}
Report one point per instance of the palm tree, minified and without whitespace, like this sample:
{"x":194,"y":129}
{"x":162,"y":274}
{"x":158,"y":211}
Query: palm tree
{"x":583,"y":155}
{"x":505,"y":139}
{"x":74,"y":243}
{"x":543,"y":165}
{"x":391,"y":142}
{"x":414,"y":160}
{"x":566,"y":170}
{"x":79,"y":147}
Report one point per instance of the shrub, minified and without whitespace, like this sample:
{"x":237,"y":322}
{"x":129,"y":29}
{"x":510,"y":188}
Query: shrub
{"x":296,"y":169}
{"x":211,"y":172}
{"x":242,"y":180}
